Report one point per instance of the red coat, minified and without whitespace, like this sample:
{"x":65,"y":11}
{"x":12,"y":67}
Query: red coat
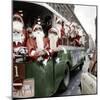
{"x":32,"y":45}
{"x":75,"y":40}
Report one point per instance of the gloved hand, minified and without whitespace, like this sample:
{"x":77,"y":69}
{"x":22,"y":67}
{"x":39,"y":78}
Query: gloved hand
{"x":22,"y":51}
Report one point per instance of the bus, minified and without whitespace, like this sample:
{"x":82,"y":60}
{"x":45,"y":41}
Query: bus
{"x":33,"y":79}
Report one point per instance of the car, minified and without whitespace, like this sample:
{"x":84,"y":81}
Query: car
{"x":89,"y":76}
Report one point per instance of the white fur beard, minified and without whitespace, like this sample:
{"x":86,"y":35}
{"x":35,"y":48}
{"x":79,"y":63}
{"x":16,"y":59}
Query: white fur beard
{"x":39,"y":40}
{"x":53,"y":41}
{"x":59,"y":30}
{"x":18,"y":37}
{"x":17,"y":26}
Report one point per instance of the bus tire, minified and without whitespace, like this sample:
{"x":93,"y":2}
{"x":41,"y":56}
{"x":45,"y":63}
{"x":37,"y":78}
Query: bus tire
{"x":67,"y":77}
{"x":65,"y":81}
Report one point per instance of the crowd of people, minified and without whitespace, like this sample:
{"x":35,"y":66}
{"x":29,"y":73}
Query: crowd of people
{"x":40,"y":46}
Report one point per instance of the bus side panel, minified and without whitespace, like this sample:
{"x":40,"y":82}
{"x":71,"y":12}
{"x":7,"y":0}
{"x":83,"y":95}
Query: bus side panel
{"x":43,"y":77}
{"x":60,"y":68}
{"x":77,"y":58}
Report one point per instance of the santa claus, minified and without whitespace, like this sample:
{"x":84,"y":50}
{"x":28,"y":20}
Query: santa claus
{"x":67,"y":28}
{"x":59,"y":26}
{"x":83,"y":38}
{"x":73,"y":31}
{"x":18,"y":35}
{"x":53,"y":38}
{"x":38,"y":45}
{"x":74,"y":35}
{"x":18,"y":50}
{"x":66,"y":35}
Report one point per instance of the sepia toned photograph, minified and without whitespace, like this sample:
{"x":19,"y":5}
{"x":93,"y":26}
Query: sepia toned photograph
{"x":54,"y":49}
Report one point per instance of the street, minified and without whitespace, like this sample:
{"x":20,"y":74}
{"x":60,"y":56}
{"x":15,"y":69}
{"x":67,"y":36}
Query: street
{"x":73,"y":87}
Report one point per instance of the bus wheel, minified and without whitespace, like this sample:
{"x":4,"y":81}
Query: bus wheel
{"x":65,"y":81}
{"x":67,"y":77}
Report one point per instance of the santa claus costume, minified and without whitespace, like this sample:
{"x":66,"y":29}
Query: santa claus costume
{"x":53,"y":38}
{"x":74,"y":35}
{"x":59,"y":26}
{"x":38,"y":45}
{"x":19,"y":39}
{"x":66,"y":35}
{"x":19,"y":35}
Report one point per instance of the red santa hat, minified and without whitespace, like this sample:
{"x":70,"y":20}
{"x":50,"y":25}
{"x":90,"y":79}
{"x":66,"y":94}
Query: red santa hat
{"x":53,"y":30}
{"x":18,"y":17}
{"x":18,"y":23}
{"x":36,"y":27}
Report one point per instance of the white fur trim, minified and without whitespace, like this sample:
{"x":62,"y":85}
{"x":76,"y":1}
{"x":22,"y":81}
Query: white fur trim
{"x":18,"y":37}
{"x":18,"y":16}
{"x":45,"y":62}
{"x":59,"y":27}
{"x":39,"y":23}
{"x":53,"y":40}
{"x":37,"y":26}
{"x":54,"y":30}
